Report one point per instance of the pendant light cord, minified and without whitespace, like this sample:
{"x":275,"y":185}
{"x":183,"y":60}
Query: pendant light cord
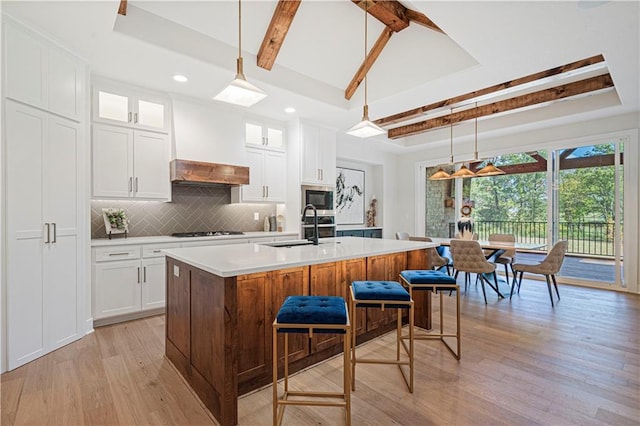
{"x":239,"y":28}
{"x":366,"y":5}
{"x":451,"y":135}
{"x":475,"y":153}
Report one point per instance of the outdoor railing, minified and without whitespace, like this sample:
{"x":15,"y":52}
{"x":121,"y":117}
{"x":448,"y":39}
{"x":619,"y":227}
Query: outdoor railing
{"x":589,"y":238}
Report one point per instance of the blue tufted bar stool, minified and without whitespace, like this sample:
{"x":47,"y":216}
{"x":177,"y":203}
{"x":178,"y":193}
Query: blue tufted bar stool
{"x":383,"y":294}
{"x":437,"y":282}
{"x":311,"y":314}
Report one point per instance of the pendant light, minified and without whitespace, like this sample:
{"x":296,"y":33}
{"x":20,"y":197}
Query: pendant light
{"x":441,"y":174}
{"x":240,"y":91}
{"x":489,"y":169}
{"x":365,"y":128}
{"x":463,"y":171}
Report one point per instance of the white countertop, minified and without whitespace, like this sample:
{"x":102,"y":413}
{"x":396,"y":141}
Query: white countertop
{"x":169,"y":239}
{"x":241,"y":259}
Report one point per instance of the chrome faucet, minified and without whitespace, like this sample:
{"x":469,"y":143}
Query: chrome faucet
{"x":314,"y":238}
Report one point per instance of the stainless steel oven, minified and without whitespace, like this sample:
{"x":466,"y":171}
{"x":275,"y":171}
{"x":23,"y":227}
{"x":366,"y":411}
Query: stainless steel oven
{"x":320,"y":196}
{"x":326,"y":226}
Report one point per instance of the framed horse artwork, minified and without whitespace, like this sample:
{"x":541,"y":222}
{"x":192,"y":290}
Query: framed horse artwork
{"x":349,"y":196}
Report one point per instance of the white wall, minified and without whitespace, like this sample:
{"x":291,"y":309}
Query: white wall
{"x":204,"y":132}
{"x":357,"y":151}
{"x":372,"y":186}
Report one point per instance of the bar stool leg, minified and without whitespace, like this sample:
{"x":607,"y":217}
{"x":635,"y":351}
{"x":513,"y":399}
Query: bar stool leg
{"x":286,"y":363}
{"x":352,"y":313}
{"x":347,"y":379}
{"x":275,"y":377}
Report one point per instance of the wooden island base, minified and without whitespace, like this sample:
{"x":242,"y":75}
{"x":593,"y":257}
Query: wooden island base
{"x":218,"y":330}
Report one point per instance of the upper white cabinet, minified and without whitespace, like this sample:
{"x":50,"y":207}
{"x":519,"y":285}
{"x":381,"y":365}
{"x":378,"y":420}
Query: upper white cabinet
{"x":264,"y":136}
{"x":41,"y":74}
{"x":317,"y":155}
{"x":45,"y":217}
{"x":130,"y":163}
{"x":267,"y":178}
{"x":125,"y":106}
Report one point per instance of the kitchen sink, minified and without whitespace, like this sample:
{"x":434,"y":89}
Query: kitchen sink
{"x":289,"y":243}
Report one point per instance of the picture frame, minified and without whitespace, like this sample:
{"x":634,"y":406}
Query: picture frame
{"x":349,"y":200}
{"x":115,"y":221}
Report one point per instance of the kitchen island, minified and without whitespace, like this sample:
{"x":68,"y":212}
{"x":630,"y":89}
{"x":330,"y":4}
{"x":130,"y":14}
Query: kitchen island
{"x":221,"y":301}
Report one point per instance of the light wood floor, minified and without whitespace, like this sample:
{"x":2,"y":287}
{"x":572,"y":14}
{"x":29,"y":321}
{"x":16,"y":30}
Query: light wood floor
{"x":523,"y":362}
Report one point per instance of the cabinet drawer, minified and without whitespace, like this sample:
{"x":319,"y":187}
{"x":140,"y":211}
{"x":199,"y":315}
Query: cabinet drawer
{"x":106,"y":254}
{"x":155,"y":250}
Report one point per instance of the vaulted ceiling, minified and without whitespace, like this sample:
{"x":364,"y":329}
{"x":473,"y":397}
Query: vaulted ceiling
{"x":437,"y":71}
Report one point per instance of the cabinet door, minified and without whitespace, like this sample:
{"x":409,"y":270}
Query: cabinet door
{"x":178,"y":314}
{"x":259,"y":135}
{"x":25,"y":129}
{"x":65,"y":83}
{"x":327,"y":156}
{"x":25,"y":65}
{"x":372,"y":233}
{"x":254,"y":340}
{"x":355,"y":270}
{"x":310,"y":171}
{"x":151,"y":166}
{"x":290,"y":282}
{"x":111,"y":105}
{"x":62,"y":209}
{"x":325,"y":281}
{"x":151,"y":113}
{"x":255,"y":191}
{"x":117,"y":288}
{"x":112,"y":153}
{"x":153,"y":283}
{"x":275,"y":176}
{"x":275,"y":138}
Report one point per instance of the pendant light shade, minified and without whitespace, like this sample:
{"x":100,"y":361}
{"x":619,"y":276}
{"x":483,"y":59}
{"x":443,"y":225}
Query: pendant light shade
{"x":365,"y":128}
{"x":440,"y":175}
{"x":463,"y":172}
{"x":489,"y":170}
{"x":240,"y":91}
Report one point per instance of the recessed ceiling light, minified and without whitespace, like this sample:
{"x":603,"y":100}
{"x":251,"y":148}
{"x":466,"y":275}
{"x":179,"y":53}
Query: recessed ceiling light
{"x":180,"y":78}
{"x":290,"y":110}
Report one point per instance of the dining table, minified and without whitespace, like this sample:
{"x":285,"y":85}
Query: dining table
{"x":495,"y":249}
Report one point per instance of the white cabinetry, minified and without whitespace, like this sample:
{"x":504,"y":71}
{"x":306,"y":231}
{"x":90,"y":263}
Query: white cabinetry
{"x":130,"y":163}
{"x":42,"y":75}
{"x":45,"y":232}
{"x":267,"y":178}
{"x":122,"y":105}
{"x":128,"y":279}
{"x":264,"y":136}
{"x":317,"y":155}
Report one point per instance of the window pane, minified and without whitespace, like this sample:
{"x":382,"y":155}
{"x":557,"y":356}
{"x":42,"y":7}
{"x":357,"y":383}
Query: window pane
{"x":151,"y":114}
{"x":253,"y":134}
{"x":275,"y":138}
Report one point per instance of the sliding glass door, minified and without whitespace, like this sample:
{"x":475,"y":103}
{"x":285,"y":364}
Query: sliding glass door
{"x":587,"y":197}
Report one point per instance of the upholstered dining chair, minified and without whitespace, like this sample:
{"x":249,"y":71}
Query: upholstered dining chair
{"x":507,"y":258}
{"x":549,"y":267}
{"x":435,"y":260}
{"x":469,"y":258}
{"x":402,"y":235}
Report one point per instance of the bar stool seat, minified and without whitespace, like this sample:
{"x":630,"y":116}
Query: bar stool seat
{"x":437,"y":282}
{"x":311,"y":314}
{"x":383,"y":294}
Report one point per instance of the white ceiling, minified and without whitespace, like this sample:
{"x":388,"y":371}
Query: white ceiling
{"x":487,"y":43}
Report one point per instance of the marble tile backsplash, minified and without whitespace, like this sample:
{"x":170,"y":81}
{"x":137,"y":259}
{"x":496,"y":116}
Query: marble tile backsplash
{"x":193,"y":208}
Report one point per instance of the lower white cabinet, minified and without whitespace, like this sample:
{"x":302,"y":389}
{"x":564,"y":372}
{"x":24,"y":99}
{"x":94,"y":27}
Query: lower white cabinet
{"x":128,"y":279}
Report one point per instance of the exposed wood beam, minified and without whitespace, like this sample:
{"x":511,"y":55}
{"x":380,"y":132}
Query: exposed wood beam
{"x":122,"y":9}
{"x":390,"y":13}
{"x":422,"y":19}
{"x":567,"y":164}
{"x":276,"y":33}
{"x":417,"y":112}
{"x":547,"y":95}
{"x":368,"y":62}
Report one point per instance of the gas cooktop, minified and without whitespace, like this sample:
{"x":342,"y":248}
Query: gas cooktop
{"x":206,"y":234}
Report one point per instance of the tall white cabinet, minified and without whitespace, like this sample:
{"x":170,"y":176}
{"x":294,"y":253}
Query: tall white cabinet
{"x":317,"y":155}
{"x":46,"y":204}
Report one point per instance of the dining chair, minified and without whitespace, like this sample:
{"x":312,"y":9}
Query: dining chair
{"x":469,"y":258}
{"x":549,"y":267}
{"x":436,"y":262}
{"x":402,"y":235}
{"x":507,"y":258}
